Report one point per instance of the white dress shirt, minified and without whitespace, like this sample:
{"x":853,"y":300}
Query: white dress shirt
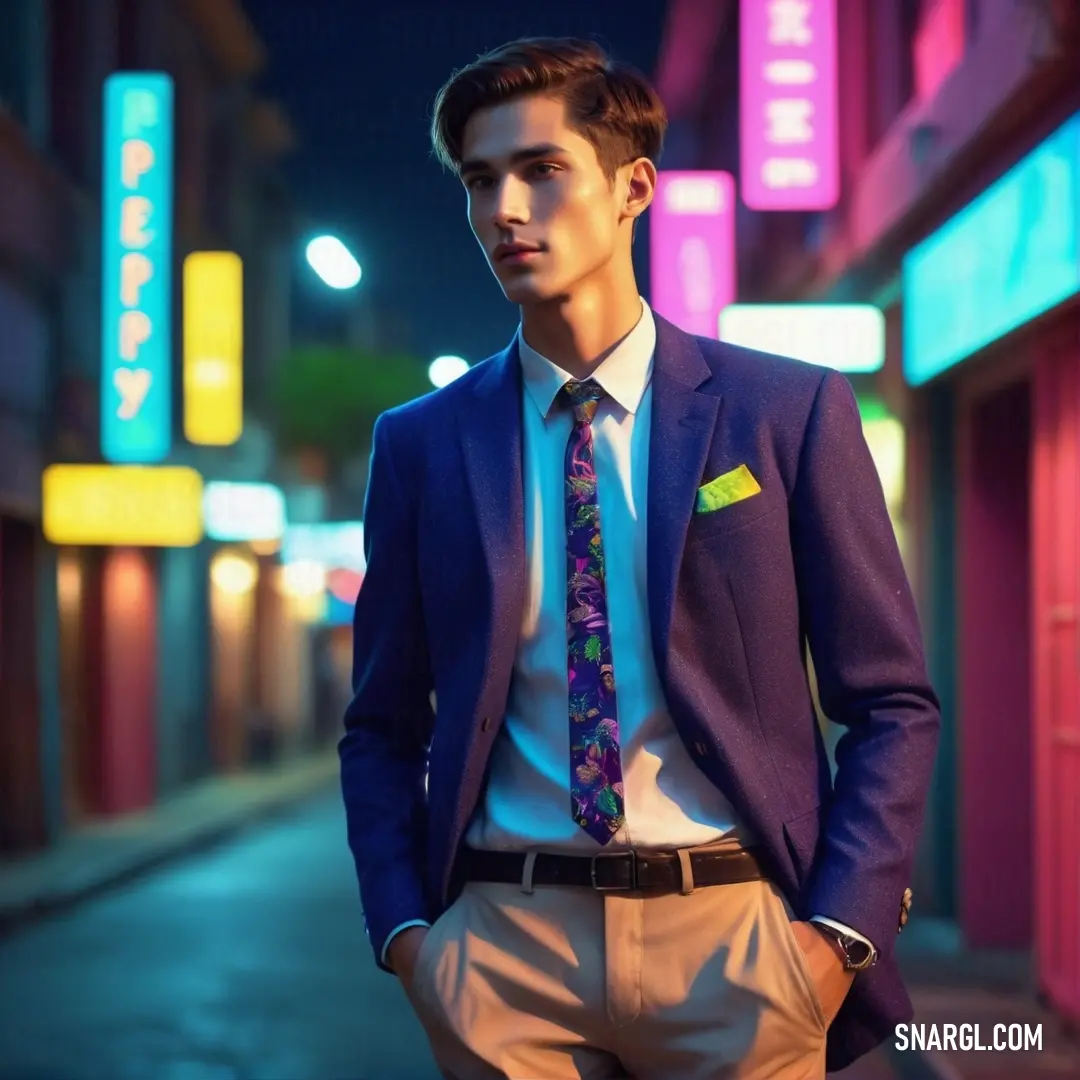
{"x":668,"y":802}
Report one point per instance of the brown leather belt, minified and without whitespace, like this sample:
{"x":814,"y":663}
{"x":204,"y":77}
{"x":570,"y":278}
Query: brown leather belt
{"x":615,"y":871}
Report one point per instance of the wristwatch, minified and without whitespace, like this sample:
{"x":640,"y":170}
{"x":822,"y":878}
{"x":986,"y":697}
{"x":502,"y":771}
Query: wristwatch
{"x":858,"y":955}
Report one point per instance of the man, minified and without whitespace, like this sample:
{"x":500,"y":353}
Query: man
{"x":614,"y":848}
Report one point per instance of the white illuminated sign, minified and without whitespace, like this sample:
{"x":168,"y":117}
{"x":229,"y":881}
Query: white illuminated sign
{"x":335,"y":545}
{"x":846,"y":337}
{"x":236,"y":511}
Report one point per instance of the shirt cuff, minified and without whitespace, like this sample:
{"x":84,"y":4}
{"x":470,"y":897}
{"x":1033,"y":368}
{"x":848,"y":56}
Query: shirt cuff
{"x":394,"y":933}
{"x":844,"y":929}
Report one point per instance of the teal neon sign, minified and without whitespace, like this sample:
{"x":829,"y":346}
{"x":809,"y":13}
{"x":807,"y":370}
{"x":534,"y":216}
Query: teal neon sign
{"x":1007,"y":257}
{"x":136,"y":310}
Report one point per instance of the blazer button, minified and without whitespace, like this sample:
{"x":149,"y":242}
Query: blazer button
{"x":485,"y":723}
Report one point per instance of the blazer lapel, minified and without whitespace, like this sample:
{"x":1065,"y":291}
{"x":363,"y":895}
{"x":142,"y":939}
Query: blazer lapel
{"x":683,"y":418}
{"x":491,"y":443}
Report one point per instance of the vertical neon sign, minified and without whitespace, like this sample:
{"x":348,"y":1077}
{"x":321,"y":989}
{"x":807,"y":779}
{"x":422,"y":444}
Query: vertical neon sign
{"x":692,"y":249}
{"x":213,"y":285}
{"x":788,"y":126}
{"x":136,"y":316}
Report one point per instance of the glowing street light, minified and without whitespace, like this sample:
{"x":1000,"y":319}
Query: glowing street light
{"x":303,"y":578}
{"x":233,"y":572}
{"x":443,"y":370}
{"x":333,"y":262}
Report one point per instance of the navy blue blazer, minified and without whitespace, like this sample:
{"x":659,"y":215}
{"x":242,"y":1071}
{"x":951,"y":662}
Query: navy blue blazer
{"x":734,"y":596}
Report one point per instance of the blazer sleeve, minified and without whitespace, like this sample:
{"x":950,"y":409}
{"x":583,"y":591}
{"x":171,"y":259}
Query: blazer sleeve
{"x":859,"y":617}
{"x":388,"y":722}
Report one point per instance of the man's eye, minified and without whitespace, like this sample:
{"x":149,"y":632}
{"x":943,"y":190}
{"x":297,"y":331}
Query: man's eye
{"x":545,"y":168}
{"x":477,"y":181}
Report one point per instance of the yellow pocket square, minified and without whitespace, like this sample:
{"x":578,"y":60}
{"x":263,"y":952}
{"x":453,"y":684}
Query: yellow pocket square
{"x":731,"y":487}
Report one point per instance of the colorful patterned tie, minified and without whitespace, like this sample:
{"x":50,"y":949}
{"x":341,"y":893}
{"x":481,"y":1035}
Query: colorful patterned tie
{"x":596,"y":781}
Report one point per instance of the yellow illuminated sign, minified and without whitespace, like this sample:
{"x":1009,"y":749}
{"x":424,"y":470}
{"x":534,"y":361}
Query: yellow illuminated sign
{"x":114,"y":505}
{"x":213,"y":348}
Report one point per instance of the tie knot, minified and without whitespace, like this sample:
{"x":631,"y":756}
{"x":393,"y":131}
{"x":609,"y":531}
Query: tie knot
{"x":584,"y":397}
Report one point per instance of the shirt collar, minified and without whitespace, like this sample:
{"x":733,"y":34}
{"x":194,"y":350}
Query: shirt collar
{"x":624,"y":374}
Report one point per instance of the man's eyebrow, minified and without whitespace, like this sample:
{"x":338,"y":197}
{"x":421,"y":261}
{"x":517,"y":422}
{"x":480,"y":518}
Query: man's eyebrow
{"x":526,"y":153}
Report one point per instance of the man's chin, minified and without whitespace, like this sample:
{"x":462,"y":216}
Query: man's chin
{"x":526,"y":291}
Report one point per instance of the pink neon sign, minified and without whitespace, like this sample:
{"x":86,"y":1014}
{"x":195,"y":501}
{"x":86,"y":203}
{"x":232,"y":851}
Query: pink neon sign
{"x":787,"y":76}
{"x":692,"y":249}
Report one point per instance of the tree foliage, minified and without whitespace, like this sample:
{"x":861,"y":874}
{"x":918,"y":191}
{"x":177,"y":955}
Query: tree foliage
{"x":327,"y":398}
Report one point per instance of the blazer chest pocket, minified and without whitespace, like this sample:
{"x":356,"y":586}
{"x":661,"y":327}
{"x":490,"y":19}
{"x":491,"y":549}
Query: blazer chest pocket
{"x":737,"y":515}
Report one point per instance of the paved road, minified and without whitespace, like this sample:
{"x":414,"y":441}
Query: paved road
{"x":247,"y":962}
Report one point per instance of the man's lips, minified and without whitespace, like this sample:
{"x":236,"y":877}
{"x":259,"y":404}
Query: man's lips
{"x":515,"y":252}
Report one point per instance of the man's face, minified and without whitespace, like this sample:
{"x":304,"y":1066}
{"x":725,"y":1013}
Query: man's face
{"x":534,"y":183}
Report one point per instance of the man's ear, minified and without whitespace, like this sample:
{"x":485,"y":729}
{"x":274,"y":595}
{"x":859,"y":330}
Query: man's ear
{"x":640,"y":187}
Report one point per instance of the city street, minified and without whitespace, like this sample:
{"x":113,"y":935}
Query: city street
{"x":245,"y":962}
{"x":832,"y":251}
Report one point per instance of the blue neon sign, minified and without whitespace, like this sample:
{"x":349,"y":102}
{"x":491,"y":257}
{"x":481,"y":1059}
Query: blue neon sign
{"x":136,"y":310}
{"x":1007,"y":257}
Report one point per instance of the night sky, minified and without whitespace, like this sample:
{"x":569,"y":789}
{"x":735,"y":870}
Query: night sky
{"x":357,"y":80}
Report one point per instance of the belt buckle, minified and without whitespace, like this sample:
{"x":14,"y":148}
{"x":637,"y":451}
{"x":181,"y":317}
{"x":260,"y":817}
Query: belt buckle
{"x":632,"y":855}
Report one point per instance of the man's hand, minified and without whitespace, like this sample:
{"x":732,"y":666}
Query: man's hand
{"x":826,"y":963}
{"x":402,"y":954}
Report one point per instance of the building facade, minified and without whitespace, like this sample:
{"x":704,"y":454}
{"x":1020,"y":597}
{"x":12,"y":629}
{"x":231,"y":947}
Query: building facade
{"x":959,"y":218}
{"x":126,"y":671}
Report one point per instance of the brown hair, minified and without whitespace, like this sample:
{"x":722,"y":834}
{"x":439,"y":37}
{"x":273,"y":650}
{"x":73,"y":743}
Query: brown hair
{"x":607,"y":102}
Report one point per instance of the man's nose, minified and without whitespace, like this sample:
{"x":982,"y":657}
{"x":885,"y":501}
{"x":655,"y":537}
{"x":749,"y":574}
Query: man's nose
{"x":511,"y":203}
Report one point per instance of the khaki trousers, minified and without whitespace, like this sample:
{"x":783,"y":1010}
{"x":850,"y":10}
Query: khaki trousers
{"x":562,"y":982}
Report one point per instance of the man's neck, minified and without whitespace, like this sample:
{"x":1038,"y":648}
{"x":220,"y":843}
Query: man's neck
{"x":578,"y":332}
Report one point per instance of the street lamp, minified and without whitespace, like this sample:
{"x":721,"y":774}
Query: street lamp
{"x":333,"y":262}
{"x":443,"y":370}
